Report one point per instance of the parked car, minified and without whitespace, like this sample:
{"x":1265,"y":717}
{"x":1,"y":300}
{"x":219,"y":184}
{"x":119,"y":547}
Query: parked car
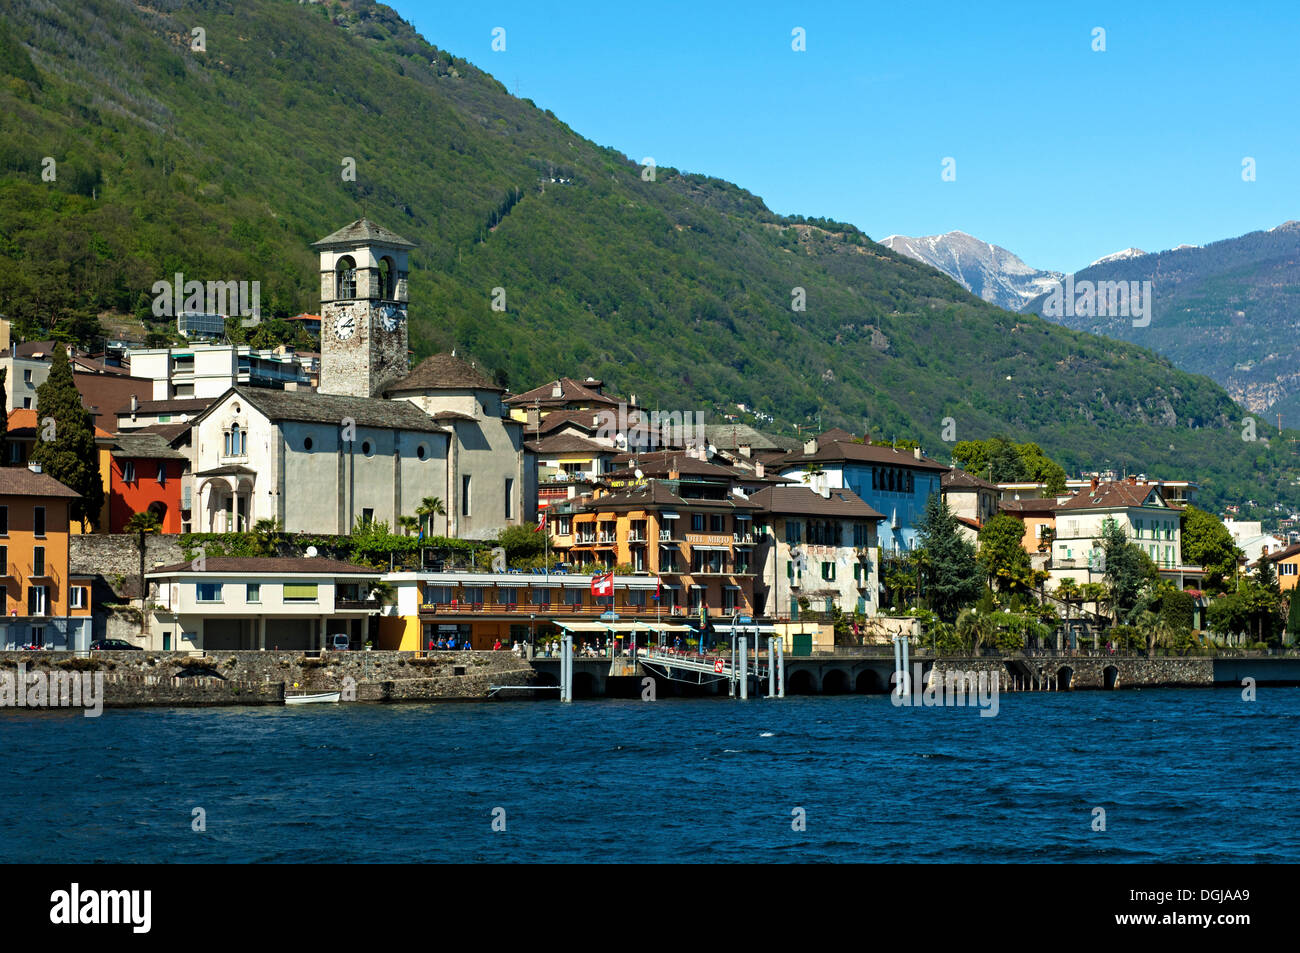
{"x":340,"y":642}
{"x":114,"y":645}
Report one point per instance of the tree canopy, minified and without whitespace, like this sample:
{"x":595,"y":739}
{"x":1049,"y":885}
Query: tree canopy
{"x":951,"y":575}
{"x":65,"y":440}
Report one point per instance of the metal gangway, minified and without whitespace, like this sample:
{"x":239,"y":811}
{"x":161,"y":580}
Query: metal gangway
{"x":737,"y":668}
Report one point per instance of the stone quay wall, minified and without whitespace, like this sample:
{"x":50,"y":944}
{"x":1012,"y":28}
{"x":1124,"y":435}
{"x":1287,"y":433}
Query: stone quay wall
{"x":1059,"y":673}
{"x":261,"y":678}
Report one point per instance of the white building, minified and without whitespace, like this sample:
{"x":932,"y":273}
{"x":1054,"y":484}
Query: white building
{"x":209,"y":370}
{"x":820,"y":546}
{"x":259,"y":603}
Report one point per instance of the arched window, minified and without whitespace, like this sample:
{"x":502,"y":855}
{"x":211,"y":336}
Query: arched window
{"x":387,"y":279}
{"x":235,"y":441}
{"x":345,"y":279}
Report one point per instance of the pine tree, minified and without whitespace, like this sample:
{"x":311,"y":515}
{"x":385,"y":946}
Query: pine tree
{"x":65,"y":440}
{"x":1293,"y":618}
{"x":952,"y":577}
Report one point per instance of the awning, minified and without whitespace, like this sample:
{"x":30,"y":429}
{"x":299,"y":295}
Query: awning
{"x":730,"y":586}
{"x":743,"y":516}
{"x":665,"y":515}
{"x":582,"y":626}
{"x":636,"y":515}
{"x":668,"y":627}
{"x":515,"y":580}
{"x":700,"y":547}
{"x":742,"y":629}
{"x":605,"y":516}
{"x":696,"y":585}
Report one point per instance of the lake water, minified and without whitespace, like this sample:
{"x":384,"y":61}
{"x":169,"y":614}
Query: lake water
{"x":1183,"y":775}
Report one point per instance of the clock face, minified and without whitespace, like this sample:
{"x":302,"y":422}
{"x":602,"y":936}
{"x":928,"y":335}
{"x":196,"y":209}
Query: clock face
{"x":345,"y":325}
{"x":390,"y":316}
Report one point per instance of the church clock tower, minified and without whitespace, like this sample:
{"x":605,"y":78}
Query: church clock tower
{"x":363,"y":336}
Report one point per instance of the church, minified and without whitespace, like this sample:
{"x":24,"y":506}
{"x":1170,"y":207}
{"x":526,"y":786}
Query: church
{"x":377,"y":436}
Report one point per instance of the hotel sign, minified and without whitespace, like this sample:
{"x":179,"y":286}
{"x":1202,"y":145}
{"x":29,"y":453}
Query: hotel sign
{"x":700,"y":539}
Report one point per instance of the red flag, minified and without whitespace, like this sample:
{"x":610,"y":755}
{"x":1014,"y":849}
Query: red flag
{"x":541,"y":523}
{"x":602,"y":585}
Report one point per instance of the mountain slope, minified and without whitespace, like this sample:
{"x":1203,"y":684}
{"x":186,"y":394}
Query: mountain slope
{"x":1228,"y":310}
{"x":226,"y":164}
{"x":983,"y":269}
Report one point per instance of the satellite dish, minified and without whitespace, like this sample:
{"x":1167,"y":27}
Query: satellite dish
{"x":312,"y":552}
{"x":638,"y":473}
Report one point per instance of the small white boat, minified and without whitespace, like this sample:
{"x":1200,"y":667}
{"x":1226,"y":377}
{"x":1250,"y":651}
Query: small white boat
{"x":311,"y":698}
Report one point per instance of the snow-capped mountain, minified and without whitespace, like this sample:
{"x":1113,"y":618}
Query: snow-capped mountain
{"x":1119,"y":256}
{"x":983,"y":269}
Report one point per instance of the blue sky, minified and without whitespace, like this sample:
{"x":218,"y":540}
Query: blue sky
{"x":1062,"y":154}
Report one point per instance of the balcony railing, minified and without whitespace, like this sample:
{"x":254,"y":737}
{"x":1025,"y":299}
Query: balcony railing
{"x":635,"y":537}
{"x":665,"y":536}
{"x":742,"y":538}
{"x":608,"y":538}
{"x":530,"y":608}
{"x":372,"y":604}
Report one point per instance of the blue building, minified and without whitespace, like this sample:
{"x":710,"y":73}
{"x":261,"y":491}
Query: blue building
{"x":894,"y":482}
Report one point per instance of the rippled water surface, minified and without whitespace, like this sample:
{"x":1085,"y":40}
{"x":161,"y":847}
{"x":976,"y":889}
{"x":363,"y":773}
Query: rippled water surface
{"x":1183,"y":775}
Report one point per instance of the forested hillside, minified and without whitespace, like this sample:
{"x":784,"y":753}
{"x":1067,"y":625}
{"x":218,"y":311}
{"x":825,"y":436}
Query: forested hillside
{"x":225,"y":163}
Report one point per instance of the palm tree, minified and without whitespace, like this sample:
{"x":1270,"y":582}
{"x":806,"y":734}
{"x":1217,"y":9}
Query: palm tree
{"x":974,"y":628}
{"x":429,"y":507}
{"x":1067,"y":590}
{"x":141,"y":523}
{"x":1148,"y":623}
{"x":264,"y":532}
{"x":409,"y":524}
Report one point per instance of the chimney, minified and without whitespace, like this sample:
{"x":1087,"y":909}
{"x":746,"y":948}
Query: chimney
{"x":556,"y":390}
{"x":631,"y":401}
{"x":745,"y":450}
{"x":810,"y":447}
{"x":34,"y":466}
{"x":1094,"y":484}
{"x":1132,"y":480}
{"x":759,"y":470}
{"x":534,"y":419}
{"x":916,"y":452}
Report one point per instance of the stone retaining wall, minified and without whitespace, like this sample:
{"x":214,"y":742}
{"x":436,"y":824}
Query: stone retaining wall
{"x":261,"y":678}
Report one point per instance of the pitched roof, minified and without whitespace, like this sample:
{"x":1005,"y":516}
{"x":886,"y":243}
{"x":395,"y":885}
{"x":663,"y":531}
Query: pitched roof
{"x":1279,"y":555}
{"x":571,"y":391}
{"x":960,"y":479}
{"x":568,"y":443}
{"x":177,"y":405}
{"x":1117,"y":495}
{"x":144,"y":446}
{"x":268,"y":565}
{"x":20,"y":481}
{"x":363,"y":232}
{"x":654,"y":493}
{"x":838,"y":451}
{"x":101,"y":393}
{"x":1040,"y":506}
{"x":659,"y":463}
{"x":36,"y":349}
{"x":168,"y":432}
{"x":802,"y":501}
{"x":732,"y":436}
{"x":581,"y":419}
{"x":23,"y":421}
{"x":444,"y":372}
{"x":311,"y":407}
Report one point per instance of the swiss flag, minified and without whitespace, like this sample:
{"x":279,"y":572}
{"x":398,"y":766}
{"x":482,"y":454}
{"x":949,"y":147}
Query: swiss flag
{"x":602,"y":585}
{"x":541,"y":523}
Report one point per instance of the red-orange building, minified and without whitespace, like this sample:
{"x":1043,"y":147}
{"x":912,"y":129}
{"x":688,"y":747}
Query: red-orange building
{"x":146,"y":474}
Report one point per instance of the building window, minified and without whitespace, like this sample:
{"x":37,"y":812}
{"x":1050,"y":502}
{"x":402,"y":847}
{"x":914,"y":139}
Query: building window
{"x":27,"y":376}
{"x":636,"y":598}
{"x":27,"y":403}
{"x":464,"y":496}
{"x":573,"y":597}
{"x":507,"y":596}
{"x":4,"y":566}
{"x":729,"y":600}
{"x":715,"y":522}
{"x":236,"y":441}
{"x":300,"y":592}
{"x":162,"y":473}
{"x":253,"y":593}
{"x":77,"y":597}
{"x":828,"y":571}
{"x":697,"y":522}
{"x":510,"y":498}
{"x":367,"y":514}
{"x":128,"y":472}
{"x":307,"y":444}
{"x":4,"y":521}
{"x":473,"y":595}
{"x":541,"y":597}
{"x":38,"y":521}
{"x":37,"y":603}
{"x":793,"y":532}
{"x":38,"y":561}
{"x":207,"y":592}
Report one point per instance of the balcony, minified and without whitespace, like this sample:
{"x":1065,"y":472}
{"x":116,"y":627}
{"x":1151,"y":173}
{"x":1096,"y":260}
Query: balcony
{"x":743,"y":539}
{"x":371,"y":605}
{"x":665,"y":536}
{"x":635,"y":537}
{"x":607,"y":538}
